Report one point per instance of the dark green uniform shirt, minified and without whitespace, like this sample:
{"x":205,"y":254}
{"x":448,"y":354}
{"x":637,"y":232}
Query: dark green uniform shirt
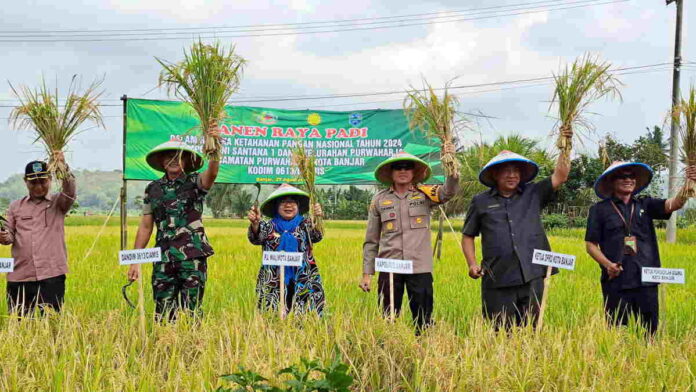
{"x":177,"y":208}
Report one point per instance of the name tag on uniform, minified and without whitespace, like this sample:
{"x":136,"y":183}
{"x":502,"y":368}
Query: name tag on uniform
{"x":6,"y":265}
{"x":140,"y":256}
{"x":663,"y":275}
{"x":285,"y":259}
{"x":552,"y":259}
{"x":395,"y":266}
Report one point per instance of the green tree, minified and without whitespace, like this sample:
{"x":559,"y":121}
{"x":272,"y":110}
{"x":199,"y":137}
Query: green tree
{"x":651,"y":149}
{"x":240,"y":202}
{"x":4,"y":205}
{"x":219,"y":199}
{"x":578,"y":190}
{"x":617,"y":151}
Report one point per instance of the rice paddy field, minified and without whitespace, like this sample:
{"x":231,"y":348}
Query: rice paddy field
{"x":95,"y":345}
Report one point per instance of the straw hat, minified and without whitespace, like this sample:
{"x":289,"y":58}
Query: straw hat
{"x":268,"y":207}
{"x":528,"y":168}
{"x":421,"y":171}
{"x":604,"y":188}
{"x":191,"y":160}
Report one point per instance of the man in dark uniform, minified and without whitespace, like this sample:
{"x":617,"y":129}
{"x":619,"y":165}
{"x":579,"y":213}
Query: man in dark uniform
{"x":621,"y":238}
{"x":175,"y":204}
{"x":508,"y":218}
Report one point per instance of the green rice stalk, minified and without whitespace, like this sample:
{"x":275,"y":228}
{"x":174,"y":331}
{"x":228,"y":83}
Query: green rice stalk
{"x":579,"y":85}
{"x":306,"y":165}
{"x":205,"y":79}
{"x":435,"y":116}
{"x":53,"y":123}
{"x":684,"y":114}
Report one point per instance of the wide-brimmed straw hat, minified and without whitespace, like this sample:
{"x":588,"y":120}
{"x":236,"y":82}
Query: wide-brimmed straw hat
{"x":604,"y":188}
{"x":421,"y":170}
{"x":528,"y":168}
{"x":268,"y":207}
{"x":191,"y":160}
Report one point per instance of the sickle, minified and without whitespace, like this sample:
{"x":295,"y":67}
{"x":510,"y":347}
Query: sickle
{"x":125,"y":293}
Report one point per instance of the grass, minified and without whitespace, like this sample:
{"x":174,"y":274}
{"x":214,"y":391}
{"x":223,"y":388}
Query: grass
{"x":684,"y":114}
{"x":436,"y":117}
{"x":54,"y":123}
{"x":578,"y":85}
{"x":95,"y":344}
{"x":205,"y":79}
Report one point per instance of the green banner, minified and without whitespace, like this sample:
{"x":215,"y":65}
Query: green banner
{"x":257,"y":141}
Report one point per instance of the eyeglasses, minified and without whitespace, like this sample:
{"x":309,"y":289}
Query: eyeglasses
{"x":402,"y":166}
{"x":625,"y":176}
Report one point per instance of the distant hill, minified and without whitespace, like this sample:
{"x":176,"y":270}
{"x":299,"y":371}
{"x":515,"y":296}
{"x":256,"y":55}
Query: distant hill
{"x":97,"y":190}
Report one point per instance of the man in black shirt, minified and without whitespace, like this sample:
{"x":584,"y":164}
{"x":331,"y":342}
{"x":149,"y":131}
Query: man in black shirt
{"x":621,"y":238}
{"x":508,"y":218}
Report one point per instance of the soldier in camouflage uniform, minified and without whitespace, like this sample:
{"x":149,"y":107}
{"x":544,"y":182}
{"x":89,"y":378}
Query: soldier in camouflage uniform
{"x":174,"y":204}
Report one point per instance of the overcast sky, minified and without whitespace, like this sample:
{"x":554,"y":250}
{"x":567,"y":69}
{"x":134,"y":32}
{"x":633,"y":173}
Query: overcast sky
{"x":531,"y":44}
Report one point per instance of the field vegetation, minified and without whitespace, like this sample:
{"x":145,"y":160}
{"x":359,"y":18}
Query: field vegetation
{"x":95,"y":345}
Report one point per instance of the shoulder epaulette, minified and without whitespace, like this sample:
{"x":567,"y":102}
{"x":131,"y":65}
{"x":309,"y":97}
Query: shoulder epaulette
{"x":430,"y":191}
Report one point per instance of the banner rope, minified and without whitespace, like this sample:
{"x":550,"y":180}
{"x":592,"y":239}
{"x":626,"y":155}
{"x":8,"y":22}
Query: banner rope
{"x":101,"y":230}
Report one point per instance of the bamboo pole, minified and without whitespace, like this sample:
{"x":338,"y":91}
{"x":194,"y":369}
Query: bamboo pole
{"x":437,"y":251}
{"x":542,"y":308}
{"x":124,"y":222}
{"x":392,"y":308}
{"x":281,"y":298}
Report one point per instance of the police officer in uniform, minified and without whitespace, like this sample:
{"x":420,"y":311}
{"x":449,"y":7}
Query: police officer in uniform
{"x":398,"y":227}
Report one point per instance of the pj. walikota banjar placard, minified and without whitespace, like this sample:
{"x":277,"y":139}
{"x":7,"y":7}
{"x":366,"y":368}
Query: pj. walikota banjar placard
{"x":257,"y":141}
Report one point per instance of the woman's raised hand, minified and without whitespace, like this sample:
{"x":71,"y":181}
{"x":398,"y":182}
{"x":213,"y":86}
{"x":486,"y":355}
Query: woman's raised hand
{"x":254,"y":217}
{"x":318,"y":212}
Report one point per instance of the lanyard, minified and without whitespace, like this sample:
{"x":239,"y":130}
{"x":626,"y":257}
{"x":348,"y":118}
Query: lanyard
{"x":630,"y":218}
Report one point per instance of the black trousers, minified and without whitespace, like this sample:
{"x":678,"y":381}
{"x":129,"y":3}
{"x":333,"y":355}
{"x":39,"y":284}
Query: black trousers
{"x":24,"y":297}
{"x":641,"y":303}
{"x":420,"y":296}
{"x":514,"y":305}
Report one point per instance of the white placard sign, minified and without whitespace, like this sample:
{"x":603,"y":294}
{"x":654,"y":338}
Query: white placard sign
{"x":553,"y":259}
{"x":287,"y":259}
{"x":139,"y":256}
{"x":6,"y":265}
{"x":663,"y":275}
{"x":394,"y":266}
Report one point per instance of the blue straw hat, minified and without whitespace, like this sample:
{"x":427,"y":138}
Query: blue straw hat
{"x":528,"y":168}
{"x":603,"y":187}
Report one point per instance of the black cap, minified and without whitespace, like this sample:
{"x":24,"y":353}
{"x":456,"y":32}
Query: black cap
{"x":35,"y":170}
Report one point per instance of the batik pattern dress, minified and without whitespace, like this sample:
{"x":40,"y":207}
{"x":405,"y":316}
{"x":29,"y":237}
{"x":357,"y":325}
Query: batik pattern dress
{"x":308,"y":293}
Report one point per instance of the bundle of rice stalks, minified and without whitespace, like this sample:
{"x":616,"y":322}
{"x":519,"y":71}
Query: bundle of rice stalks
{"x":437,"y":117}
{"x":56,"y":124}
{"x":206,"y":79}
{"x":684,"y":114}
{"x":306,"y":165}
{"x":587,"y":80}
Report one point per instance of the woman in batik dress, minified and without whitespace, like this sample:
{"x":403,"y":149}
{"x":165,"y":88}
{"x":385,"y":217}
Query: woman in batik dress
{"x":287,"y":230}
